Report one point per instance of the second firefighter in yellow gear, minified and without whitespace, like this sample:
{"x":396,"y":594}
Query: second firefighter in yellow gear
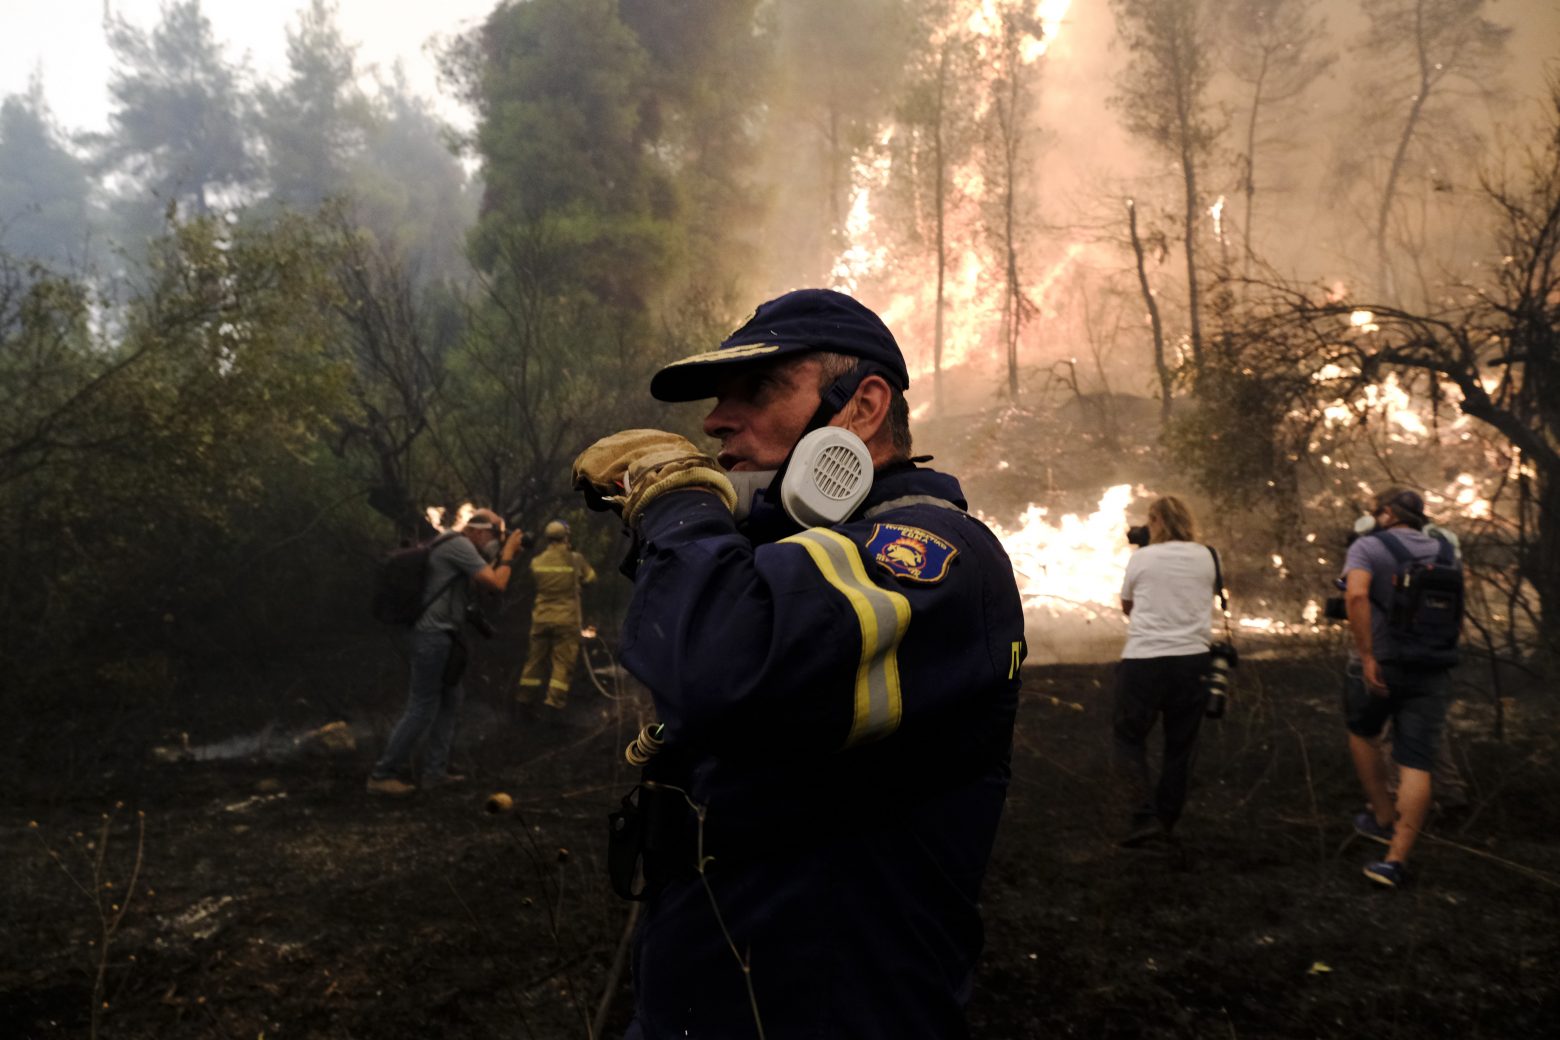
{"x":559,"y":572}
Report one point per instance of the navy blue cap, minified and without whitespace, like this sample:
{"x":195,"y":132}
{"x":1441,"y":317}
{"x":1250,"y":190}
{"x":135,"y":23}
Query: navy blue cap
{"x":1408,"y":504}
{"x":798,"y":322}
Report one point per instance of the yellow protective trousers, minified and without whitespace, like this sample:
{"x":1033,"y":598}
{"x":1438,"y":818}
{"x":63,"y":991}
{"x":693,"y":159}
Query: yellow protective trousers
{"x":557,"y":643}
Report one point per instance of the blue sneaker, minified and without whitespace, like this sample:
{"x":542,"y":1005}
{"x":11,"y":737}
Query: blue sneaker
{"x":1365,"y":826}
{"x":1388,"y":872}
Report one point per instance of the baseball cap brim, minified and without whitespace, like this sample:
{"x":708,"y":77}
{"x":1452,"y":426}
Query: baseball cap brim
{"x":696,"y":377}
{"x":798,"y":322}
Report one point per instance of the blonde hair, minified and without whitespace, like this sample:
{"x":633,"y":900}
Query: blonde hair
{"x":1176,"y":523}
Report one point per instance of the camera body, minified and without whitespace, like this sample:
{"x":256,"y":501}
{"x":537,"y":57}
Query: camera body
{"x":479,"y":621}
{"x":1222,"y":659}
{"x":512,"y":523}
{"x":1137,"y":536}
{"x":1336,"y":608}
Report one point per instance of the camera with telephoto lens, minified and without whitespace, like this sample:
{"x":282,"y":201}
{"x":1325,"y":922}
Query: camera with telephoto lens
{"x":1137,"y":537}
{"x":1222,"y":659}
{"x":479,"y":621}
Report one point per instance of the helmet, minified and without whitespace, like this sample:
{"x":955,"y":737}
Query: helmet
{"x":556,"y":530}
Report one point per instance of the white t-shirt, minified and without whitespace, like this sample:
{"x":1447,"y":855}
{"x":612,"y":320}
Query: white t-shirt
{"x":1170,"y":586}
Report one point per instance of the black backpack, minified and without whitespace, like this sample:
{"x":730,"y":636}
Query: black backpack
{"x":399,"y":579}
{"x":1425,"y":615}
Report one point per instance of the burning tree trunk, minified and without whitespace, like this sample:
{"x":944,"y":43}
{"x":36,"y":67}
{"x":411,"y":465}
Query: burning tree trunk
{"x":1163,"y":99}
{"x":1440,"y":40}
{"x":1543,"y":565}
{"x":940,"y":203}
{"x":1010,"y":112}
{"x":1193,"y":290}
{"x":1161,"y":366}
{"x":1274,"y":50}
{"x":1248,"y":174}
{"x":1384,"y":277}
{"x":942,"y":87}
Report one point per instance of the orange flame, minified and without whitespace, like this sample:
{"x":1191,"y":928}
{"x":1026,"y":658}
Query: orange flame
{"x":971,"y":302}
{"x":435,"y":517}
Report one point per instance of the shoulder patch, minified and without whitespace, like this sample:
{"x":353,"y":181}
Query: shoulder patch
{"x":911,"y":553}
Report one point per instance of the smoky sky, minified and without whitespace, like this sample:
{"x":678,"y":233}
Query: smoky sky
{"x":1318,"y":170}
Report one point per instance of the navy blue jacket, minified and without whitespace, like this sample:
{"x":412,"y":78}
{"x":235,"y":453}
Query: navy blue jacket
{"x":840,"y":702}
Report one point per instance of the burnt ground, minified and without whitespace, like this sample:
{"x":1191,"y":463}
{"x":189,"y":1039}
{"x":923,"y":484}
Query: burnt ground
{"x":277,"y":899}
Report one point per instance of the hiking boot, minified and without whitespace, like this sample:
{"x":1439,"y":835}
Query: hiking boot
{"x":1365,"y":826}
{"x":1388,"y":872}
{"x":389,"y":785}
{"x":441,"y":779}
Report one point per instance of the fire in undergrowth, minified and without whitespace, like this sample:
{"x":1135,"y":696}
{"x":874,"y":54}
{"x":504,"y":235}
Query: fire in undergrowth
{"x":1071,"y":564}
{"x":1069,"y":569}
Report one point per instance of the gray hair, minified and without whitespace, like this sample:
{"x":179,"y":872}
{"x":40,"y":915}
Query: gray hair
{"x":832,"y":366}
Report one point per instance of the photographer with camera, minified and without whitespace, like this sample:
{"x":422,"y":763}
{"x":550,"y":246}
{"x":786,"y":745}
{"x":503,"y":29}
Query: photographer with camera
{"x":457,"y":563}
{"x":1166,"y":669}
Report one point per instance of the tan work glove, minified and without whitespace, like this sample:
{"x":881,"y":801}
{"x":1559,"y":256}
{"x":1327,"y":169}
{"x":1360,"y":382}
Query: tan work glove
{"x":629,"y":470}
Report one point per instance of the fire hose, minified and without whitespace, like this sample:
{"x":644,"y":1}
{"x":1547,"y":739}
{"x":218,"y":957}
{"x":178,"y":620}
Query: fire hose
{"x":588,"y":636}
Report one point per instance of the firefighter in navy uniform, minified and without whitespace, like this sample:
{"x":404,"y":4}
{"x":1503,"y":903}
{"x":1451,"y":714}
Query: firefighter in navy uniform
{"x":836,"y":700}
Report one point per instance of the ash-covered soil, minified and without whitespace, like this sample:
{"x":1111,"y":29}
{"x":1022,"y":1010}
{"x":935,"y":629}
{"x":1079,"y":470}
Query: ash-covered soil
{"x":275,"y":898}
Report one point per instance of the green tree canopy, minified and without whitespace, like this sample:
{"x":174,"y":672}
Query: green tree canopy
{"x":45,"y":189}
{"x":315,"y":123}
{"x":178,"y":118}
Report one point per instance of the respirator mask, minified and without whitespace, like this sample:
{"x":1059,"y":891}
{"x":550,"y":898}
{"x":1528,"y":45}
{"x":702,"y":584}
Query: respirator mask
{"x":825,"y":479}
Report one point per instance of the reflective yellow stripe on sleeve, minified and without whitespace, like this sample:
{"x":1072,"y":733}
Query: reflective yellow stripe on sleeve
{"x":883,"y":615}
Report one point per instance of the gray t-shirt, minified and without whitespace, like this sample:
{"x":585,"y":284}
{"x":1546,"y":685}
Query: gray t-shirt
{"x":453,"y":558}
{"x":1369,"y":555}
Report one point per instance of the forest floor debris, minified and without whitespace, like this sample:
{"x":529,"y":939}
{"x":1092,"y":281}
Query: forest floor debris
{"x":325,"y":913}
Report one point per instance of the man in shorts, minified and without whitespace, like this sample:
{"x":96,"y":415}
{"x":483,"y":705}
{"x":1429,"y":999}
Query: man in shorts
{"x":1388,"y":680}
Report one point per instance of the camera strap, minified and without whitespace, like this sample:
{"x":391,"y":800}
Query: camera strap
{"x":1218,"y":590}
{"x":440,"y":540}
{"x":832,"y":400}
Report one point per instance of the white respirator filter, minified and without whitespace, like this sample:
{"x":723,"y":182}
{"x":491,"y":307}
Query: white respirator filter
{"x":829,"y":475}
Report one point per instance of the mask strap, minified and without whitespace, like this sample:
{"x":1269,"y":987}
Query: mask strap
{"x":835,"y":397}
